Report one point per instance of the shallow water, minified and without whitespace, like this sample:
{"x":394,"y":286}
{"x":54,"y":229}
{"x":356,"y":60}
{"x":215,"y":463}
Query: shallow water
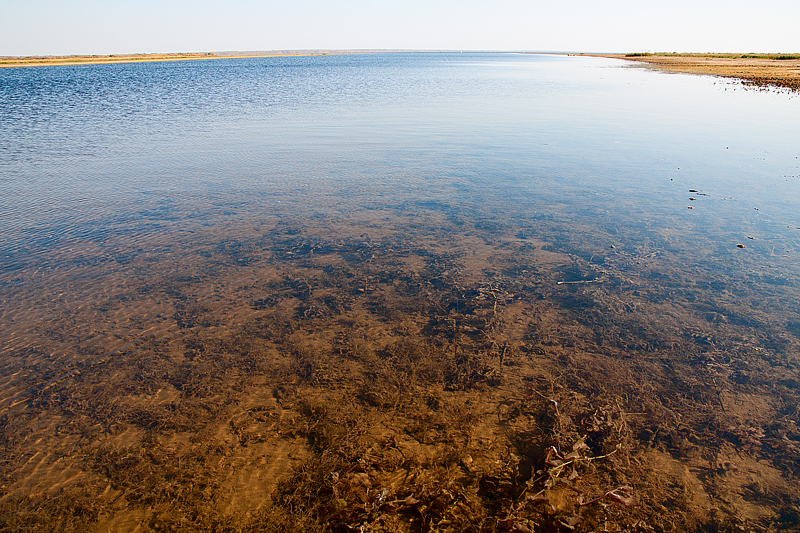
{"x":197,"y":257}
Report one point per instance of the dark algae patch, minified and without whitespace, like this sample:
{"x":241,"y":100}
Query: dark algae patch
{"x":415,"y":375}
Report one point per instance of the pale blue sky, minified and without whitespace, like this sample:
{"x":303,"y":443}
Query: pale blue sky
{"x":50,"y":27}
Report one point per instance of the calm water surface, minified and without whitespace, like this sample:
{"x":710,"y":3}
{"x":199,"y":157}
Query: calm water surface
{"x":143,"y":205}
{"x":87,"y":150}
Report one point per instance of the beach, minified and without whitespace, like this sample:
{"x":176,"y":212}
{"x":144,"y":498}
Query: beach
{"x":41,"y":61}
{"x":761,"y":70}
{"x":37,"y":61}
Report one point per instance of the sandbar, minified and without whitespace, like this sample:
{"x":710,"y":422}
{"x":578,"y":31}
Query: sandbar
{"x":40,"y":61}
{"x":763,"y":70}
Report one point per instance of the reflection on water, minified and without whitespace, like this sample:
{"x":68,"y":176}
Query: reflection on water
{"x":400,"y":292}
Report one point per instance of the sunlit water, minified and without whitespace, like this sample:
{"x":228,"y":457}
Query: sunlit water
{"x":88,"y":152}
{"x":119,"y":180}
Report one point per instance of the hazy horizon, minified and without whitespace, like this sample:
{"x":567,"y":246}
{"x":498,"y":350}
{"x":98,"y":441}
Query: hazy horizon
{"x":90,"y":27}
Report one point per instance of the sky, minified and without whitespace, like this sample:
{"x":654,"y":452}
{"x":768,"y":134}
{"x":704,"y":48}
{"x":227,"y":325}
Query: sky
{"x":66,"y":27}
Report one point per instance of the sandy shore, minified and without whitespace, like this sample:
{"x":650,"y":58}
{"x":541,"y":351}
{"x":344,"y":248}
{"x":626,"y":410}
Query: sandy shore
{"x":39,"y":61}
{"x":761,"y":70}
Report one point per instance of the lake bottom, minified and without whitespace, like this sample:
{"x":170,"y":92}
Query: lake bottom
{"x":412,"y":368}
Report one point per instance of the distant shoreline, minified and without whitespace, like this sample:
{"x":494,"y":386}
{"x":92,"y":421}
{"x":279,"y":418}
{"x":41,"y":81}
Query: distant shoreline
{"x":764,"y":70}
{"x":42,"y":61}
{"x":776,"y":70}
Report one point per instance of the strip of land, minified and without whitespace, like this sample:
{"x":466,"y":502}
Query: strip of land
{"x":39,"y":61}
{"x":776,"y":70}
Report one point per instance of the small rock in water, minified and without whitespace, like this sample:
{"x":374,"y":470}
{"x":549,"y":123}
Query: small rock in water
{"x":740,"y":245}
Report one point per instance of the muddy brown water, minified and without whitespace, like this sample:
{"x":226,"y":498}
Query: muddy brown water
{"x":334,"y":318}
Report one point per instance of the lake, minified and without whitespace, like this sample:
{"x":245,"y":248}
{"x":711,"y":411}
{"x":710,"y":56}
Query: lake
{"x":397,"y":292}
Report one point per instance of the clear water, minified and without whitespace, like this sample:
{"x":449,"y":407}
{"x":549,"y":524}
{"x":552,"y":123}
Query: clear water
{"x":119,"y":180}
{"x":86,"y":150}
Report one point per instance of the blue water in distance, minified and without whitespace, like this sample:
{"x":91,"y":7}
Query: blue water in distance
{"x":85,"y":149}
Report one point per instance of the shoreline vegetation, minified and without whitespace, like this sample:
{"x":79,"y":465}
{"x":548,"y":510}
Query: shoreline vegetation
{"x":763,"y":70}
